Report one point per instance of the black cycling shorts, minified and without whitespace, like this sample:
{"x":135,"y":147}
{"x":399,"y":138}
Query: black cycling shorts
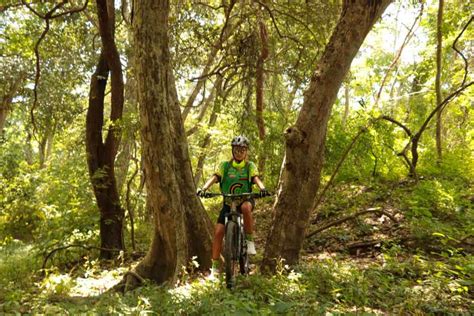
{"x":226,"y":210}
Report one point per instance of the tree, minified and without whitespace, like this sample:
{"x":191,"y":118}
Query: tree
{"x":182,"y":228}
{"x":11,"y":89}
{"x":101,"y":155}
{"x":439,"y":98}
{"x":305,"y":140}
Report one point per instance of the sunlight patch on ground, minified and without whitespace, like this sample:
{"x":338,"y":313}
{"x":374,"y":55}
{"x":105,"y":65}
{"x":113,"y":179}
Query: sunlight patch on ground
{"x":97,"y":284}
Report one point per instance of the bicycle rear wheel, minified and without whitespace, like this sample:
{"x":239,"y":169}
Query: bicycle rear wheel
{"x":230,"y":253}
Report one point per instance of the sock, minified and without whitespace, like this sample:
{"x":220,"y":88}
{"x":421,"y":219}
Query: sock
{"x":249,"y":237}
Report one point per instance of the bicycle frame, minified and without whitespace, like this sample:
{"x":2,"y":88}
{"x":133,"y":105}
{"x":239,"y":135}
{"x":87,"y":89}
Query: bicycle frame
{"x":235,"y":242}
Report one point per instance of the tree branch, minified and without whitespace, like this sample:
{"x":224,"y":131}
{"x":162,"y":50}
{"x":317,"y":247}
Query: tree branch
{"x":71,"y":11}
{"x":302,"y":23}
{"x":399,"y":53}
{"x":459,"y":52}
{"x":394,"y":121}
{"x":49,"y":15}
{"x":441,"y":105}
{"x":339,"y":164}
{"x":350,"y":217}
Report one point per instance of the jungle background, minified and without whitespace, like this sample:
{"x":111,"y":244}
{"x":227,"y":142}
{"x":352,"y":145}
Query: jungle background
{"x":387,"y":234}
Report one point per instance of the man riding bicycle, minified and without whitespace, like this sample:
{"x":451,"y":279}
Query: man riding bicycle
{"x":235,"y":177}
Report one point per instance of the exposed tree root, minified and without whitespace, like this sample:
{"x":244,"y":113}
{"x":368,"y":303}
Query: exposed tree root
{"x":131,"y":280}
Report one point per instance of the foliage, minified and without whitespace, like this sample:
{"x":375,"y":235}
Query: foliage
{"x":423,"y":263}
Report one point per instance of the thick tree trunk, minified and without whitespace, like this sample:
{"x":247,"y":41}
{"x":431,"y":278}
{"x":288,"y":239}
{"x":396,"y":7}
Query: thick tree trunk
{"x":182,"y":228}
{"x":100,"y":154}
{"x":101,"y":167}
{"x":305,"y":140}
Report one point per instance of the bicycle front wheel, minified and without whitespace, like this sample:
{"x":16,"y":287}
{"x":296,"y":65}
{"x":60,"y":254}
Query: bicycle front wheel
{"x":244,"y":257}
{"x":230,"y":253}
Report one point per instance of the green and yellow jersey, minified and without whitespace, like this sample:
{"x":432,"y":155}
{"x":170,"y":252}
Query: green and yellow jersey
{"x":236,"y":178}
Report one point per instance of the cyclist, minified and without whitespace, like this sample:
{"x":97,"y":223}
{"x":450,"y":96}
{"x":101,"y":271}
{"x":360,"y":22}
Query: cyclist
{"x":235,"y":177}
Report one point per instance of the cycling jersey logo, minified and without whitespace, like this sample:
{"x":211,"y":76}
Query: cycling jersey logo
{"x":235,"y":188}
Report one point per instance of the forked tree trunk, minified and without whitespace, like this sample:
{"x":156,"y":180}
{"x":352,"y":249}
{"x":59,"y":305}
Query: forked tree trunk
{"x":182,"y":227}
{"x":305,"y":140}
{"x":100,"y":159}
{"x":101,"y":154}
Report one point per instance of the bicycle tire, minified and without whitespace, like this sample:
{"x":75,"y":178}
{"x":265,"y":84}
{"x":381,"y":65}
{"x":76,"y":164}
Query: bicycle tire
{"x":230,"y":253}
{"x":244,"y":261}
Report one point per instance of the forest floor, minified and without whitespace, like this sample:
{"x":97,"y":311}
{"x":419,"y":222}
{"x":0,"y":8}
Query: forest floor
{"x":388,"y":256}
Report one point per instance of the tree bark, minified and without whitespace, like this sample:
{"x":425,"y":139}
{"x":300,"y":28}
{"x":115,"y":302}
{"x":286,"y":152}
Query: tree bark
{"x":439,"y":97}
{"x":182,"y":227}
{"x":7,"y":99}
{"x":305,"y":140}
{"x":100,"y":154}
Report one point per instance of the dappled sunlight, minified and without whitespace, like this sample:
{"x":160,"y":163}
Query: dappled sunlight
{"x":96,"y":285}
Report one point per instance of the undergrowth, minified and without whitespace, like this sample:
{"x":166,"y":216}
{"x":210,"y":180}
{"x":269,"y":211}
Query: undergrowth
{"x":422,"y":265}
{"x":394,"y":282}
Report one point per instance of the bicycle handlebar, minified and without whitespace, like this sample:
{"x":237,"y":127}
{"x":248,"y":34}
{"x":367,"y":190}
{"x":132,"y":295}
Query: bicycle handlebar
{"x":232,"y":196}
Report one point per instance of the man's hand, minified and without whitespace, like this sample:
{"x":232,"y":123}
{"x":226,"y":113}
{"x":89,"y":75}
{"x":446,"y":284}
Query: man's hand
{"x":201,"y":192}
{"x":264,"y":192}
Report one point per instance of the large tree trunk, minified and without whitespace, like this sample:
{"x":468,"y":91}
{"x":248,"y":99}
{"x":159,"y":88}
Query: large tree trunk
{"x":305,"y":140}
{"x":100,"y":154}
{"x":182,"y":228}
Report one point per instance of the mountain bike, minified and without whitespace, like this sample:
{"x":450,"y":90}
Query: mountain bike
{"x":235,"y":243}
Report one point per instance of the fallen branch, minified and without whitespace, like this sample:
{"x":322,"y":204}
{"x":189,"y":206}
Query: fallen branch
{"x":350,"y":217}
{"x":362,"y":244}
